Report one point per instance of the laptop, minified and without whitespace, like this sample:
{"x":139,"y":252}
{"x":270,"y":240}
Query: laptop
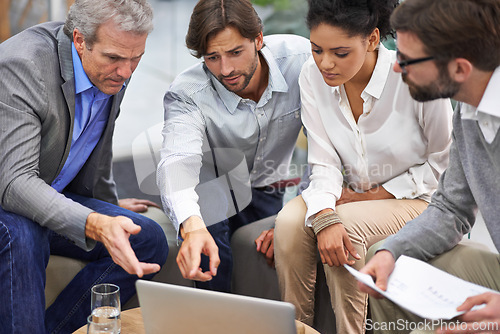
{"x":168,"y":308}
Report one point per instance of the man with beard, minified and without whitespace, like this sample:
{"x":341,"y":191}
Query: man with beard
{"x":241,"y":107}
{"x":451,"y":48}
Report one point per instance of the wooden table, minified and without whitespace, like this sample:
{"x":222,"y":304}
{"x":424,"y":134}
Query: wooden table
{"x":132,"y":323}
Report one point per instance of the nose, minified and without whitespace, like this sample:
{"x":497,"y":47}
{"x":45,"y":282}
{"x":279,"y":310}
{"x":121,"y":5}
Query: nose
{"x":125,"y":69}
{"x":226,"y":67}
{"x":327,"y":62}
{"x":397,"y":68}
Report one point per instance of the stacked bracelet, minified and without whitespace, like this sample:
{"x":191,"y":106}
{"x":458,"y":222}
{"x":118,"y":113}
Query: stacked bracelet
{"x":324,"y":220}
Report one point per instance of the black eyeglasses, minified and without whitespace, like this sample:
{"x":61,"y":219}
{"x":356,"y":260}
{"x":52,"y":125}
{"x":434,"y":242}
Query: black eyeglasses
{"x":404,"y":63}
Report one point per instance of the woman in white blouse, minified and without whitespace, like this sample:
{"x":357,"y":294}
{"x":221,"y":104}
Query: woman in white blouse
{"x":376,"y":156}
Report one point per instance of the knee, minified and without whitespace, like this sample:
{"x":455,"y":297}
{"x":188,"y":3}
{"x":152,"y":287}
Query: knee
{"x":243,"y":239}
{"x":152,"y":244}
{"x":374,"y":248}
{"x":25,"y":241}
{"x":353,"y":222}
{"x":159,"y":243}
{"x":289,"y":231}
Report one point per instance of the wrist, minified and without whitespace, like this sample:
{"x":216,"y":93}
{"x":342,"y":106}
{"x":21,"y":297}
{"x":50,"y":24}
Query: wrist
{"x":323,"y":211}
{"x":91,"y":225}
{"x":193,"y":223}
{"x":324,"y":219}
{"x":386,"y":254}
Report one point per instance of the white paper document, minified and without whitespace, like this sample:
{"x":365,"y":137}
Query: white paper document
{"x":423,"y":289}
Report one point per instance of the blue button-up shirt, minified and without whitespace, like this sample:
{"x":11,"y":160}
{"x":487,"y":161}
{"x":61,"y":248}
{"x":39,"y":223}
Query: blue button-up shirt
{"x":259,"y":137}
{"x":91,"y":115}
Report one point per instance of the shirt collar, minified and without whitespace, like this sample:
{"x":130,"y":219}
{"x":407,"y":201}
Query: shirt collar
{"x":230,"y":99}
{"x":380,"y":73}
{"x":490,"y":103}
{"x":82,"y":82}
{"x":379,"y":76}
{"x":277,"y":82}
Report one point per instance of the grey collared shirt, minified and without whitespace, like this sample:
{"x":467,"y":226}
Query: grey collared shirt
{"x":201,"y":116}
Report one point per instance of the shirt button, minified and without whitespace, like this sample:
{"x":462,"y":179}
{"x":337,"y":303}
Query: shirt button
{"x":262,"y":139}
{"x":254,"y":172}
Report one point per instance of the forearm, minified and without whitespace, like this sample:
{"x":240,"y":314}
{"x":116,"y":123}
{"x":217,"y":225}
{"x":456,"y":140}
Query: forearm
{"x":178,"y":172}
{"x":323,"y":191}
{"x":419,"y":181}
{"x":179,"y":203}
{"x":45,"y":206}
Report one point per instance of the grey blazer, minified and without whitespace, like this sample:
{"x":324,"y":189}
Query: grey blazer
{"x":37,"y":106}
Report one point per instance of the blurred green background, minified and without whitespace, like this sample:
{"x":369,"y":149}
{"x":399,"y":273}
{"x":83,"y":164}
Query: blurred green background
{"x":289,"y":17}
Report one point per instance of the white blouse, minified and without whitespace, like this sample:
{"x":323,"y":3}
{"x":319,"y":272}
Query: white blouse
{"x":397,"y":143}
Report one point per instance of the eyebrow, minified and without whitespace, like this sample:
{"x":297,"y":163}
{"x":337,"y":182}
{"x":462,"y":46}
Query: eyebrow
{"x":333,"y":49}
{"x":229,"y":51}
{"x":115,"y":55}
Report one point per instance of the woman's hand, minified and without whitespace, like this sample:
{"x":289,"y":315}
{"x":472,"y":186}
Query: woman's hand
{"x":334,"y":244}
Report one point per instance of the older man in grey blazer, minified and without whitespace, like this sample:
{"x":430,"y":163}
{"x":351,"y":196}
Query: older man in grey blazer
{"x":60,"y":91}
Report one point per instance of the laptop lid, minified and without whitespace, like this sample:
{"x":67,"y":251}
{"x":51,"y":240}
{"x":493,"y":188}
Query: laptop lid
{"x":168,"y":308}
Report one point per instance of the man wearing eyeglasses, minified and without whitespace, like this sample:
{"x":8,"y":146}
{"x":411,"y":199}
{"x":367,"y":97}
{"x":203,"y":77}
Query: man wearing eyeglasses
{"x":451,"y":48}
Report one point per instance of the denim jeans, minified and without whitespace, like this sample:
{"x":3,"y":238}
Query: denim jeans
{"x":265,"y":203}
{"x":25,"y":248}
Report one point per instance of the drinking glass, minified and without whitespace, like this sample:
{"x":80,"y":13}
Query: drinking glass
{"x":96,"y":326}
{"x":105,"y":306}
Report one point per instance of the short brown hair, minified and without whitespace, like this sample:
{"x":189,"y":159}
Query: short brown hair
{"x":212,"y":16}
{"x":452,"y":29}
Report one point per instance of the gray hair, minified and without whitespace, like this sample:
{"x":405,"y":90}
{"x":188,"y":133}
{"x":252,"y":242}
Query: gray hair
{"x":134,"y":16}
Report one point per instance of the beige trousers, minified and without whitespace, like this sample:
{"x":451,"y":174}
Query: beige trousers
{"x":296,"y":252}
{"x":473,"y":264}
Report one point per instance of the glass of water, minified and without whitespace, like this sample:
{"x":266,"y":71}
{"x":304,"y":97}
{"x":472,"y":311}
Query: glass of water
{"x":100,"y":326}
{"x":105,"y":307}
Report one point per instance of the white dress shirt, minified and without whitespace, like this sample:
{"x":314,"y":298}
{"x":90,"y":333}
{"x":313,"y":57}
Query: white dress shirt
{"x":202,"y":116}
{"x":397,"y":143}
{"x":487,"y":113}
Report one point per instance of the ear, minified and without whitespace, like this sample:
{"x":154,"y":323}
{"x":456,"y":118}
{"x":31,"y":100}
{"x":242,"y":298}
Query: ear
{"x":460,"y":69}
{"x":79,"y":41}
{"x":373,"y":40}
{"x":259,"y":41}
